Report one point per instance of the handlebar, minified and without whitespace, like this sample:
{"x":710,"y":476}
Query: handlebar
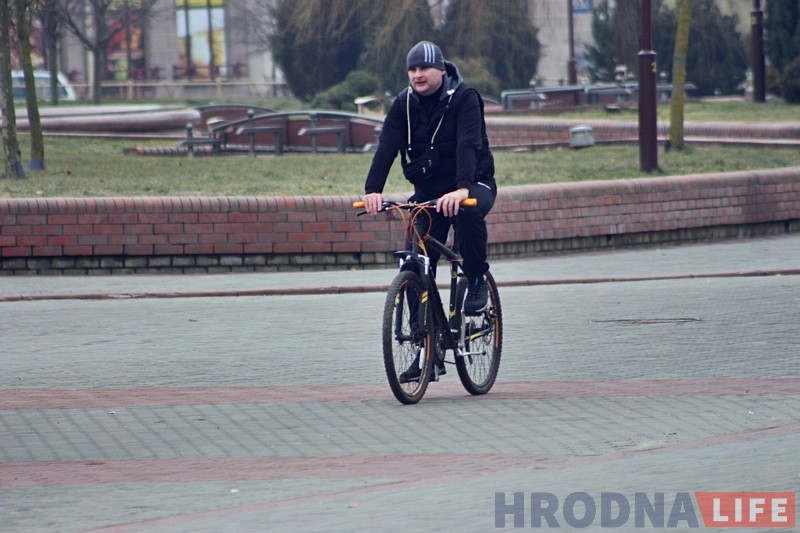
{"x":466,"y":202}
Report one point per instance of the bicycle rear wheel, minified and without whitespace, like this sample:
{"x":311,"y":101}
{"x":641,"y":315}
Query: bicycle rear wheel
{"x":477,"y":370}
{"x":404,"y":345}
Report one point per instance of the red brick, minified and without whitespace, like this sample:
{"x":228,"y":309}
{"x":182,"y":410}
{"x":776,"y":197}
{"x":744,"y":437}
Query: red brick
{"x":78,"y":250}
{"x":186,"y":218}
{"x":32,"y":219}
{"x":301,"y":216}
{"x":73,"y":229}
{"x":93,"y":219}
{"x":15,"y":251}
{"x":257,"y":248}
{"x":153,"y":218}
{"x":108,"y":250}
{"x":138,"y":229}
{"x":228,"y":248}
{"x":153,"y":239}
{"x":331,"y":237}
{"x":62,"y":240}
{"x":316,"y":247}
{"x":62,"y":219}
{"x":138,"y":249}
{"x":287,"y":227}
{"x":316,"y":227}
{"x":228,"y":228}
{"x":47,"y":230}
{"x":198,"y":249}
{"x":206,"y":218}
{"x":46,"y":250}
{"x":107,"y":229}
{"x":182,"y":238}
{"x":123,"y":239}
{"x":302,"y":237}
{"x":92,"y":240}
{"x":31,"y":240}
{"x":168,"y":249}
{"x":287,"y":248}
{"x":123,"y":218}
{"x":168,"y":229}
{"x":243,"y":217}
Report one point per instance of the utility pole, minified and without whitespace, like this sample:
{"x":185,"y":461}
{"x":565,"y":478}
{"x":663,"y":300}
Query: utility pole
{"x":757,"y":52}
{"x":648,"y":129}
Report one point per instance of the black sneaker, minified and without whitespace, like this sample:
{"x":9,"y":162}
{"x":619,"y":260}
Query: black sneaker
{"x":414,"y":372}
{"x":477,"y":296}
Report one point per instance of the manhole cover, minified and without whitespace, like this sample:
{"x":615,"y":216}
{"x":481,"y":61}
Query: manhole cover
{"x":643,"y":321}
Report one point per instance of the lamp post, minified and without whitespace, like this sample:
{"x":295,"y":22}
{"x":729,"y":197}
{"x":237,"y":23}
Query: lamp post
{"x":757,"y":52}
{"x":572,"y":70}
{"x":648,"y":129}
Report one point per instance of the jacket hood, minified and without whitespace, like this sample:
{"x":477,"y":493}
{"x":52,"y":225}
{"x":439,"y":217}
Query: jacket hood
{"x":452,"y":78}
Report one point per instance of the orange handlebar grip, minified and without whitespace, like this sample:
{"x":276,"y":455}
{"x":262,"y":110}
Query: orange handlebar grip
{"x":358,"y":205}
{"x":469,"y":202}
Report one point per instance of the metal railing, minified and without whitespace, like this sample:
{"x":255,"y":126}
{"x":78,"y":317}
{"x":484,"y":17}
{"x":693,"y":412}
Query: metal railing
{"x":132,"y":90}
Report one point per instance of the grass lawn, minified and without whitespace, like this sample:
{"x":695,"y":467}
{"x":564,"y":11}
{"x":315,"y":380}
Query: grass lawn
{"x":87,"y":167}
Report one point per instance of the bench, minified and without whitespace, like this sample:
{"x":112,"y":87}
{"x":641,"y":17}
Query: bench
{"x":191,"y":142}
{"x":252,"y":131}
{"x":339,"y":131}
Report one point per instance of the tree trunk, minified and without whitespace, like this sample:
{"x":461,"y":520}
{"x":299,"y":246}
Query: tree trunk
{"x":34,"y":121}
{"x":12,"y":160}
{"x":99,"y":53}
{"x":51,"y":35}
{"x":676,"y":106}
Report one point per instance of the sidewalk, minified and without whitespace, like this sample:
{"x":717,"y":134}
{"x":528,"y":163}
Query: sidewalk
{"x":248,"y":413}
{"x":780,"y":254}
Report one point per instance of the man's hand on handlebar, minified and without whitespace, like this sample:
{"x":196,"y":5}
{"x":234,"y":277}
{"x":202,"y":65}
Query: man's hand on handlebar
{"x":373,"y":203}
{"x":449,"y":203}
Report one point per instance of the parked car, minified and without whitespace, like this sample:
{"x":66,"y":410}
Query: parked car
{"x":65,"y":90}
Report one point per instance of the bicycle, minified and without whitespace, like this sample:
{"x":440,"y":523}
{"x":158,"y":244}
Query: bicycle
{"x":416,"y":329}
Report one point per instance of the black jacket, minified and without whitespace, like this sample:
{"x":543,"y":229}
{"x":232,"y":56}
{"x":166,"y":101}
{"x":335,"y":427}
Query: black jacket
{"x":461,"y":144}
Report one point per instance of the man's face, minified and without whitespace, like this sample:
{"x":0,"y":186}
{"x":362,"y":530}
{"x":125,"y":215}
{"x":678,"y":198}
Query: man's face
{"x":425,"y":80}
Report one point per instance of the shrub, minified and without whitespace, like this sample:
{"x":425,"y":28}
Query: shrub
{"x":341,"y":96}
{"x":790,"y":82}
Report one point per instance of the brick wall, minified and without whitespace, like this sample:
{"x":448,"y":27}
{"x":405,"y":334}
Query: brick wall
{"x":146,"y":235}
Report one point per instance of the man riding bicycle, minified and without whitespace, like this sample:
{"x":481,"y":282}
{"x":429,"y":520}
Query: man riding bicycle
{"x":437,"y":125}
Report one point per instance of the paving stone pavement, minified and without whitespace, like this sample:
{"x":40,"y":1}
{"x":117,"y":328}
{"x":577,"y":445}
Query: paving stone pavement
{"x":245,"y":403}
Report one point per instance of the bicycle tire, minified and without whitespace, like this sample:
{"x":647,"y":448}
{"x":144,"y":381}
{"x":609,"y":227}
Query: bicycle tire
{"x":479,"y":372}
{"x":401,"y":340}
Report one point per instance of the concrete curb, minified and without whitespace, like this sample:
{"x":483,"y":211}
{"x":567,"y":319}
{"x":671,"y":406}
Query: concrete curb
{"x":312,"y":291}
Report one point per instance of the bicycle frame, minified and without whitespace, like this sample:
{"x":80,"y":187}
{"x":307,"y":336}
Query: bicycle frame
{"x":452,"y":326}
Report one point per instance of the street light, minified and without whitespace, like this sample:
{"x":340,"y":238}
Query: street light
{"x":757,"y":52}
{"x":572,"y":70}
{"x":648,"y":128}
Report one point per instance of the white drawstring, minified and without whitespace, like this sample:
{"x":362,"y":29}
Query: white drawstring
{"x":408,"y":116}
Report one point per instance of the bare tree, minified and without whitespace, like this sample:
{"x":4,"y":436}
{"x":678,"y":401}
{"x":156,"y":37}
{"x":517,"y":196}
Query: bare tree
{"x":21,"y":10}
{"x":13,"y":161}
{"x":48,"y":13}
{"x":676,"y":107}
{"x":90,"y":22}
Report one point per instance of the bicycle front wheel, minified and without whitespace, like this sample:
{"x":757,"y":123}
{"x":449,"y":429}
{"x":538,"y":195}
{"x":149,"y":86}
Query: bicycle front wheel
{"x":407,"y":350}
{"x":477,"y":368}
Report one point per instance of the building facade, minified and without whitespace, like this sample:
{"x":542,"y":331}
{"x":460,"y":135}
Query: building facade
{"x":181,"y":46}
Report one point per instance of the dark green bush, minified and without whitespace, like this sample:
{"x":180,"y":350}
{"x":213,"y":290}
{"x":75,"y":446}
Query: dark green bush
{"x":790,"y":82}
{"x":341,"y":96}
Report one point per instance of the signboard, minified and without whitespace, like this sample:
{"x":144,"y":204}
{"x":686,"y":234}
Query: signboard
{"x":581,"y":6}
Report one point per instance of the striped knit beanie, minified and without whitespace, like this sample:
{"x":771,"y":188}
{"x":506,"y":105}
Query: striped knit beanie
{"x":425,"y":54}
